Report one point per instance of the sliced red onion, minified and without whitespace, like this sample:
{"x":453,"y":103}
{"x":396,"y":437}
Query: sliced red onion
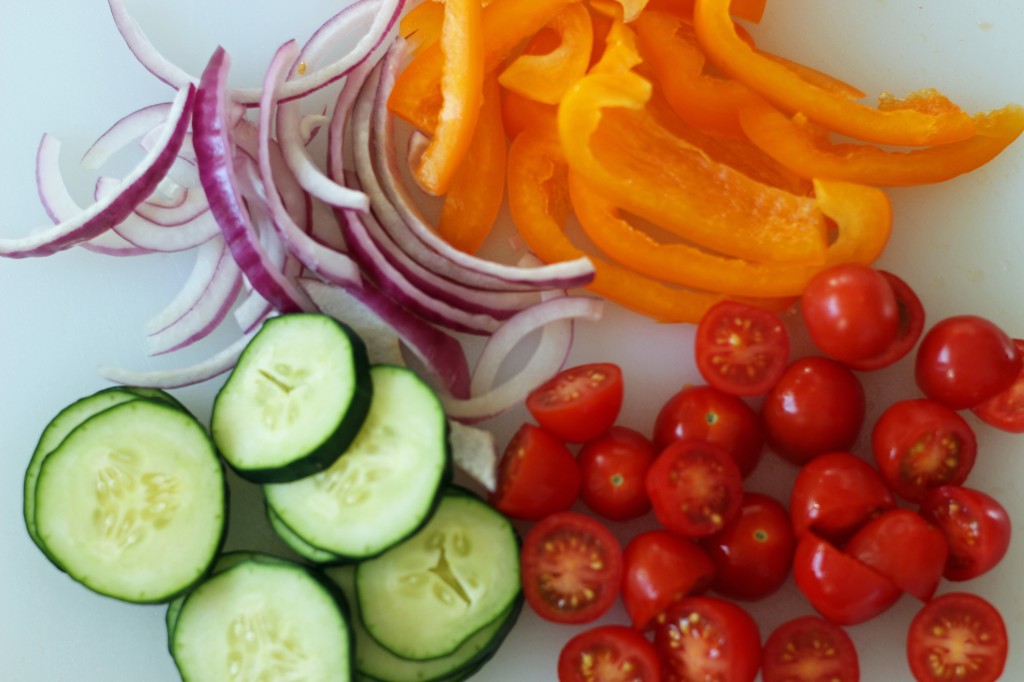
{"x":475,"y":453}
{"x":112,"y":244}
{"x":128,"y":129}
{"x":147,"y":235}
{"x":214,"y":151}
{"x":145,"y":51}
{"x":251,"y":311}
{"x":102,"y":215}
{"x":192,"y":205}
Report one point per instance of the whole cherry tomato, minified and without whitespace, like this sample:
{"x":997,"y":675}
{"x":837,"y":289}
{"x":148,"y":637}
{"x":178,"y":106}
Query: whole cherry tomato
{"x":910,"y":328}
{"x":608,"y":653}
{"x":754,"y":552}
{"x":850,"y":312}
{"x":1006,"y":410}
{"x":921,"y":444}
{"x":741,"y":349}
{"x":704,"y":638}
{"x":579,"y":403}
{"x":975,"y":525}
{"x":817,"y":406}
{"x":537,"y":475}
{"x":706,"y":413}
{"x":614,"y":468}
{"x":809,"y":649}
{"x":658,"y":569}
{"x":965,"y":360}
{"x":957,"y":636}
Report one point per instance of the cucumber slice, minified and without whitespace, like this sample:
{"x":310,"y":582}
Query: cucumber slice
{"x":132,"y":502}
{"x":385,"y":485}
{"x":263,"y":620}
{"x":294,"y":401}
{"x":297,"y":544}
{"x":456,"y":576}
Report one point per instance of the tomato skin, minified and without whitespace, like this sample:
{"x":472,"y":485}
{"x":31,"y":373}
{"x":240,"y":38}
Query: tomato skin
{"x":1005,"y":410}
{"x":537,"y":475}
{"x":809,"y":643}
{"x":840,"y":587}
{"x":911,"y":326}
{"x":850,"y":312}
{"x":950,"y":628}
{"x":579,"y":403}
{"x":659,"y":568}
{"x":705,"y":638}
{"x":571,"y":567}
{"x":609,"y":653}
{"x":614,"y":468}
{"x":817,"y":406}
{"x":706,"y":413}
{"x":965,"y":360}
{"x":695,"y":488}
{"x":920,"y":444}
{"x":901,"y":545}
{"x":741,"y":349}
{"x":753,"y":553}
{"x":835,"y":494}
{"x":976,"y":527}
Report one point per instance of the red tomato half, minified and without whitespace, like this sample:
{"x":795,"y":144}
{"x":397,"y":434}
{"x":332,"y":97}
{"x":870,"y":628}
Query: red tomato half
{"x":921,"y":444}
{"x":1006,"y":410}
{"x":975,"y":525}
{"x":711,"y":415}
{"x":579,"y":403}
{"x":614,"y":468}
{"x":754,"y":552}
{"x":809,"y":649}
{"x":537,"y":475}
{"x":695,"y":488}
{"x":741,"y":349}
{"x":910,"y":328}
{"x":610,"y":653}
{"x":571,"y":568}
{"x":704,"y":638}
{"x":957,"y":636}
{"x":658,"y":569}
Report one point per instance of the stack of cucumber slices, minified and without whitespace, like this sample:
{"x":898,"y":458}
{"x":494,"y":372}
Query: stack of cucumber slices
{"x":398,"y":574}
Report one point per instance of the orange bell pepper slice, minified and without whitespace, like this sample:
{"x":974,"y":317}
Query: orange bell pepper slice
{"x":613,"y":141}
{"x":810,"y":153}
{"x":519,"y":113}
{"x":421,"y":25}
{"x":923,"y":118}
{"x":749,"y":10}
{"x":474,"y":199}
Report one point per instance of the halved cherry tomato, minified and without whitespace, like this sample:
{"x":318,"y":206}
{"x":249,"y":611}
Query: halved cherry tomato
{"x":809,"y":649}
{"x":910,"y":328}
{"x":537,"y":475}
{"x":658,"y":569}
{"x":754,"y":552}
{"x":741,"y":349}
{"x":609,"y":653}
{"x":1006,"y":410}
{"x":975,"y":525}
{"x":901,"y":545}
{"x":921,"y":444}
{"x":571,"y":568}
{"x":704,"y":638}
{"x":614,"y":467}
{"x":965,"y":360}
{"x":816,"y":406}
{"x":835,"y":494}
{"x":695,"y":488}
{"x":715,"y":416}
{"x":850,"y":312}
{"x":957,"y":636}
{"x":840,"y":587}
{"x":579,"y":403}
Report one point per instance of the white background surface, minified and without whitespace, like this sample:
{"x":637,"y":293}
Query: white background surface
{"x":64,"y":70}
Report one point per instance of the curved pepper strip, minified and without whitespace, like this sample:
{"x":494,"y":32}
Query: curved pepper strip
{"x":474,"y":199}
{"x":546,"y":76}
{"x":645,"y":169}
{"x":519,"y":113}
{"x":862,"y":215}
{"x":810,"y":154}
{"x":416,"y":96}
{"x":421,"y":26}
{"x":749,"y":10}
{"x":461,"y":47}
{"x":923,"y":118}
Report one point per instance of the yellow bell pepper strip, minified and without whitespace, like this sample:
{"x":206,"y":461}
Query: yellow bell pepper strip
{"x":545,"y":75}
{"x":474,"y":199}
{"x":923,"y":118}
{"x":862,"y":215}
{"x":808,"y":152}
{"x":461,"y":47}
{"x":645,"y":169}
{"x":416,"y":96}
{"x":421,"y":25}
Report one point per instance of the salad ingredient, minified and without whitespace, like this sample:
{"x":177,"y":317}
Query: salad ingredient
{"x":1005,"y":410}
{"x":609,"y":653}
{"x":911,"y":326}
{"x":579,"y":403}
{"x":571,"y":568}
{"x":659,"y":569}
{"x":809,"y":649}
{"x":703,"y":638}
{"x":741,"y":349}
{"x":537,"y":475}
{"x":613,"y":469}
{"x":976,"y":527}
{"x":957,"y":635}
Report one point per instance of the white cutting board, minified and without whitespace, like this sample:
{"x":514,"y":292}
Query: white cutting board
{"x":64,"y":70}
